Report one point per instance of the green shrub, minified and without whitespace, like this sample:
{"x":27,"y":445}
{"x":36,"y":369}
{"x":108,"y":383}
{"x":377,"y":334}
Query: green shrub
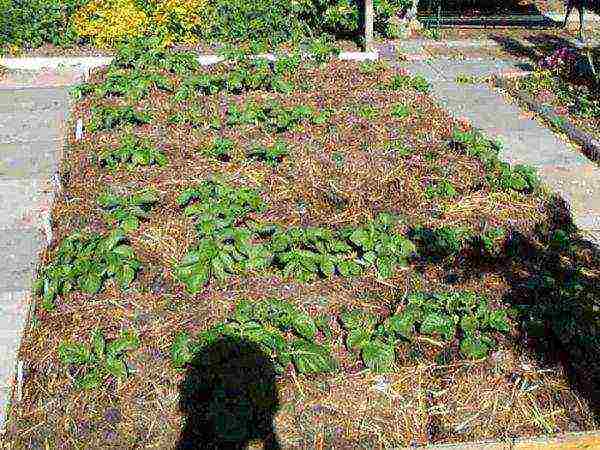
{"x":32,"y":23}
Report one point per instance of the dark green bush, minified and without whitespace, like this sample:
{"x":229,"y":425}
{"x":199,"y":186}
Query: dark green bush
{"x":31,"y":23}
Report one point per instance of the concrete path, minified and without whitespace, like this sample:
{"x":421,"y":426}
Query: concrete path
{"x":31,"y":134}
{"x":560,"y":165}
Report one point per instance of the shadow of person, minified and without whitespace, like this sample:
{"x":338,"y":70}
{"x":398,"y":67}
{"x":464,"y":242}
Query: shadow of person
{"x":229,"y":397}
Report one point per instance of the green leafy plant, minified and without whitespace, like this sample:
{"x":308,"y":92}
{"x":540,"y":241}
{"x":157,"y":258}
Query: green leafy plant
{"x":375,"y":345}
{"x":151,"y":54}
{"x":215,"y":205}
{"x":221,"y":149}
{"x":442,"y":189}
{"x":401,"y":81}
{"x":501,"y":175}
{"x":84,"y":262}
{"x":308,"y":253}
{"x":128,"y":210}
{"x":189,"y":116}
{"x":381,"y":246}
{"x":461,"y":315}
{"x":132,"y":152}
{"x":246,"y":74}
{"x":400,"y":111}
{"x":322,"y":49}
{"x":226,"y":244}
{"x":226,"y":252}
{"x":368,"y":112}
{"x":272,"y":155}
{"x":98,"y":359}
{"x":443,"y":241}
{"x":105,"y":118}
{"x":280,"y":329}
{"x":273,"y":117}
{"x":133,"y":84}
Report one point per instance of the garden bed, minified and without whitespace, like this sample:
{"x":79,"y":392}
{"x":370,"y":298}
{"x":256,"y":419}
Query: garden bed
{"x":325,"y":228}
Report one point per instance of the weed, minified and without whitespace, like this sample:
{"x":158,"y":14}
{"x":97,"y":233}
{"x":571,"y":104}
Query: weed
{"x":99,"y":359}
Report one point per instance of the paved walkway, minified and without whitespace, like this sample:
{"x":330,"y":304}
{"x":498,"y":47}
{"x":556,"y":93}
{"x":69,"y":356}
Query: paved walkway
{"x":560,"y":165}
{"x":31,"y":124}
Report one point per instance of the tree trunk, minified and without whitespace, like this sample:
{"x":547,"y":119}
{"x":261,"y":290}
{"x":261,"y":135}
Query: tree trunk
{"x":369,"y":46}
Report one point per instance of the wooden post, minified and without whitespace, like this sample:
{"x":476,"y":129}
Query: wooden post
{"x":369,"y":47}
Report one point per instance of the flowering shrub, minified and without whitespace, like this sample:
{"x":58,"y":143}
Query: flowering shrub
{"x":108,"y":22}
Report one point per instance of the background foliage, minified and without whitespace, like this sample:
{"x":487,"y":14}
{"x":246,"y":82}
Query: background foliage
{"x":106,"y":23}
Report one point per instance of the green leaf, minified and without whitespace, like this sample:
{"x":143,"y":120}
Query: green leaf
{"x":469,"y":324}
{"x":357,"y":338}
{"x":440,"y":324}
{"x":402,"y":324}
{"x":357,"y":319}
{"x":304,"y":325}
{"x":499,"y":321}
{"x":91,"y":283}
{"x":385,"y":267}
{"x":349,"y":268}
{"x":326,"y":265}
{"x":131,"y":223}
{"x":309,"y":357}
{"x":125,"y":276}
{"x":474,"y":347}
{"x":127,"y":341}
{"x":98,"y":343}
{"x":90,"y":380}
{"x":75,"y":353}
{"x":378,"y":356}
{"x":180,"y":350}
{"x":116,"y":367}
{"x":124,"y":251}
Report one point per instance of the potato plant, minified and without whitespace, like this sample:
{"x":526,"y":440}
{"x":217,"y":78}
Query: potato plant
{"x":99,"y":359}
{"x":84,"y":262}
{"x":281,"y":330}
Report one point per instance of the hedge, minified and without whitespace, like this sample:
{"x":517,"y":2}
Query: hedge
{"x":106,"y":23}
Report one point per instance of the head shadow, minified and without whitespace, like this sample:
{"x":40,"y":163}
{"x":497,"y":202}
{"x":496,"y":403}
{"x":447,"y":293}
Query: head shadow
{"x":228,"y":397}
